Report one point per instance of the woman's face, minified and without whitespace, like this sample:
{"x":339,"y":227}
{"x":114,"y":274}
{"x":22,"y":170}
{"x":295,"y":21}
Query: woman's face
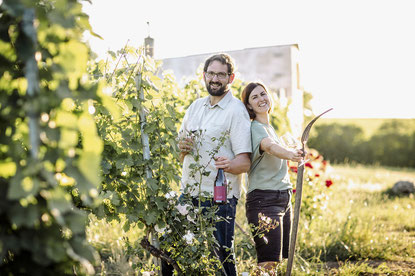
{"x":259,"y":101}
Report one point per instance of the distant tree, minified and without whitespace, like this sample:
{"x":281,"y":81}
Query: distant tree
{"x":391,"y":144}
{"x":336,"y":142}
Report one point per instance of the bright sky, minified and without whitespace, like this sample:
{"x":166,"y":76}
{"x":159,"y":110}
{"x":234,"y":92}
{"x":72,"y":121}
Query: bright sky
{"x":356,"y":56}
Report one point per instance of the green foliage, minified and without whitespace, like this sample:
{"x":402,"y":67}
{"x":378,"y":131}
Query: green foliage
{"x":49,"y":147}
{"x":279,"y":117}
{"x":392,"y":144}
{"x":125,"y":189}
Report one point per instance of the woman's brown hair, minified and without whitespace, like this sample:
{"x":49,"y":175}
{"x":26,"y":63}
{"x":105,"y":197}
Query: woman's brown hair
{"x":247,"y":92}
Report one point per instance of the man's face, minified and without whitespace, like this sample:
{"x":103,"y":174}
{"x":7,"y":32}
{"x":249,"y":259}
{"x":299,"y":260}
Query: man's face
{"x":217,"y":78}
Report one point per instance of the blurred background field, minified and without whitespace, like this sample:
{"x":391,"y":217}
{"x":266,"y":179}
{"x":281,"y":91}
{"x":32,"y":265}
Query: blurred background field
{"x":385,"y":142}
{"x":368,"y":125}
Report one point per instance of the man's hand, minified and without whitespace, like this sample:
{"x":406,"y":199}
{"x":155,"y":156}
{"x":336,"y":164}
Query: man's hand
{"x":223,"y":163}
{"x":240,"y":164}
{"x":185,"y":147}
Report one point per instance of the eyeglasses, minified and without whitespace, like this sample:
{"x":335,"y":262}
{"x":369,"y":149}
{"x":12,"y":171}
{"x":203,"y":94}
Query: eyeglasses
{"x":220,"y":75}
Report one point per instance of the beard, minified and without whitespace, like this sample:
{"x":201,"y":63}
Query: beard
{"x":218,"y":92}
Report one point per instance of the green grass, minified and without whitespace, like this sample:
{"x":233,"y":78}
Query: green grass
{"x":109,"y":239}
{"x":361,"y":221}
{"x":363,"y":230}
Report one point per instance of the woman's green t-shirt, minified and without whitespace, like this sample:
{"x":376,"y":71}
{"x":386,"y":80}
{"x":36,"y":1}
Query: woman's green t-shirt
{"x":267,"y":172}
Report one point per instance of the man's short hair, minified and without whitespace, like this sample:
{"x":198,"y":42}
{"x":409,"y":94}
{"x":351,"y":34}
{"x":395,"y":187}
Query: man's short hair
{"x":222,"y":58}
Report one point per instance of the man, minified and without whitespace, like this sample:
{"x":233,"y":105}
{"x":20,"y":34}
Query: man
{"x":218,"y":115}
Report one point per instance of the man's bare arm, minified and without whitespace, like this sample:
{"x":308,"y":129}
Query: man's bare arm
{"x":240,"y":164}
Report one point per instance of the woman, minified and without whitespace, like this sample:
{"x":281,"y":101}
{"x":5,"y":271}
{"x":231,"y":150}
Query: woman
{"x":269,"y":189}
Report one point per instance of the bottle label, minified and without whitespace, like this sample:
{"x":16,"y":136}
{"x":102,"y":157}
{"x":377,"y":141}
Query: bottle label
{"x":219,"y":193}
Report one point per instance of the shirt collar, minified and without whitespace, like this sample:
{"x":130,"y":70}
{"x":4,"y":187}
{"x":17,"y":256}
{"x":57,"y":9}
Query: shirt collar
{"x":222,"y":103}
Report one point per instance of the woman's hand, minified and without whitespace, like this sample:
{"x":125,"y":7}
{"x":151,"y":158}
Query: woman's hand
{"x":295,"y":155}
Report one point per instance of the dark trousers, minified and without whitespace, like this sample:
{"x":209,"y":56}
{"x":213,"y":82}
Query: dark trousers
{"x":275,"y":205}
{"x":224,"y":234}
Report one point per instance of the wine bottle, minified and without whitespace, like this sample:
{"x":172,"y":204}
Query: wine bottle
{"x":220,"y":188}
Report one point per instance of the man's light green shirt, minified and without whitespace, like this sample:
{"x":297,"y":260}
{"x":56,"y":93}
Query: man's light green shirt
{"x":267,"y":171}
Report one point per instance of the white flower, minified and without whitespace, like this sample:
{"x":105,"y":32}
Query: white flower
{"x":183,"y":209}
{"x":189,"y":218}
{"x":161,"y":231}
{"x":266,"y":219}
{"x":189,"y":237}
{"x":170,"y":195}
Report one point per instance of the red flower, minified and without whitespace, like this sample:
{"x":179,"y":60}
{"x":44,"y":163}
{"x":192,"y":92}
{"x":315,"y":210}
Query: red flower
{"x":293,"y":169}
{"x":294,"y":190}
{"x":317,"y":175}
{"x":329,"y":183}
{"x":308,"y":164}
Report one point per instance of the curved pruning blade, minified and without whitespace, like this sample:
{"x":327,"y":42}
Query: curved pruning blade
{"x":298,"y":196}
{"x":306,"y":132}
